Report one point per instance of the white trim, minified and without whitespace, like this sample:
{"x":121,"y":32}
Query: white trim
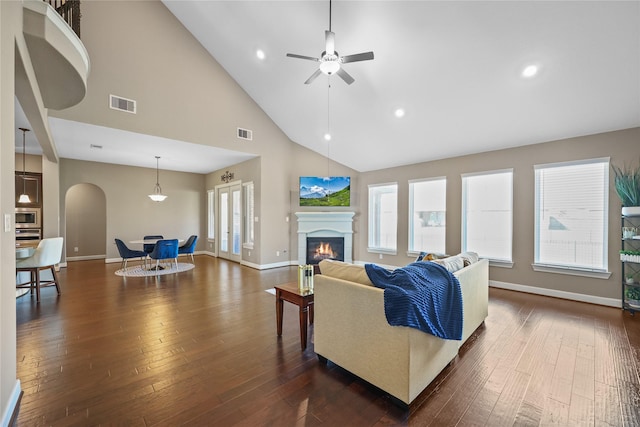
{"x":383,"y":251}
{"x":85,"y":257}
{"x":592,"y":299}
{"x":481,"y":173}
{"x":500,"y":263}
{"x":594,"y":274}
{"x":572,"y":163}
{"x":12,"y":403}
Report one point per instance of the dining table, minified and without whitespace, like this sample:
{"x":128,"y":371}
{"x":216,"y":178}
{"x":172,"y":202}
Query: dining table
{"x":151,"y":241}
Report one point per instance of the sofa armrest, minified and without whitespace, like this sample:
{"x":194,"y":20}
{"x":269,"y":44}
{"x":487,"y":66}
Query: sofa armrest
{"x":474,"y":283}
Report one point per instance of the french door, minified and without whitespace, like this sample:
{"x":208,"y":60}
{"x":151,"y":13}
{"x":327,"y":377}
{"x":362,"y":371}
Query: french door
{"x":230,"y":222}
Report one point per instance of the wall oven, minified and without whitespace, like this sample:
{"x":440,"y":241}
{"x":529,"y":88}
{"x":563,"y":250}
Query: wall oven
{"x":28,"y":218}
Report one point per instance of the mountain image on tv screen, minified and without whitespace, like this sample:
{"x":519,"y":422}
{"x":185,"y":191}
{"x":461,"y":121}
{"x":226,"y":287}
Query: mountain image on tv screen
{"x":325,"y":191}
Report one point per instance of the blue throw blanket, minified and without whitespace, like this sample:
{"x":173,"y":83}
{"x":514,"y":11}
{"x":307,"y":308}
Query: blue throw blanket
{"x":421,"y":295}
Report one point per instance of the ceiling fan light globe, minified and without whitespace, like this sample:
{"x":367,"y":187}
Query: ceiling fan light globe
{"x":329,"y":67}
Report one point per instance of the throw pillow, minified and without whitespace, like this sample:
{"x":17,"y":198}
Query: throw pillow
{"x":453,"y":263}
{"x":469,"y":258}
{"x":344,"y":271}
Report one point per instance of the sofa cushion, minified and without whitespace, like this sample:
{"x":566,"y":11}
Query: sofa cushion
{"x":345,"y":271}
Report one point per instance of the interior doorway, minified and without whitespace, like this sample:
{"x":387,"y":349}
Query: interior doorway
{"x":85,"y":223}
{"x":229,"y":214}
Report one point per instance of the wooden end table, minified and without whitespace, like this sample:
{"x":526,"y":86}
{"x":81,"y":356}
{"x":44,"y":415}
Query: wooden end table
{"x":304,"y":299}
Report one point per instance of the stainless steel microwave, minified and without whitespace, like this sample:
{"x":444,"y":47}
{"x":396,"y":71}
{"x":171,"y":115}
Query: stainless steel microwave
{"x":28,"y":218}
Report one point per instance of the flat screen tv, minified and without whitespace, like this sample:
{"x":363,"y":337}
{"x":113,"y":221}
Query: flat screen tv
{"x":325,"y":191}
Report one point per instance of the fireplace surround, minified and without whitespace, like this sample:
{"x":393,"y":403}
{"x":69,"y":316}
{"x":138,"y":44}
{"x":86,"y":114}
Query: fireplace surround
{"x":325,"y":224}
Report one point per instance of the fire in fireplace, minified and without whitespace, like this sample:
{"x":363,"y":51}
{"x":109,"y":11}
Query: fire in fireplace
{"x":319,"y":248}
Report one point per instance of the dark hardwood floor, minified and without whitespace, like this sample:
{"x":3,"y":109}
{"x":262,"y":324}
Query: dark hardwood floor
{"x":200,"y":349}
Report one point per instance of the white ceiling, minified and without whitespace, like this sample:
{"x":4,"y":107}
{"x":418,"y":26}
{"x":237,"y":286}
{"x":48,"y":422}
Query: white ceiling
{"x":453,"y":66}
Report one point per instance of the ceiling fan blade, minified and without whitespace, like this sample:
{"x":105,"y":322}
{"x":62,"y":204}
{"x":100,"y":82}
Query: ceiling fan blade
{"x":345,"y":76}
{"x":366,"y":56}
{"x":330,"y":39}
{"x":313,"y":76}
{"x":309,"y":58}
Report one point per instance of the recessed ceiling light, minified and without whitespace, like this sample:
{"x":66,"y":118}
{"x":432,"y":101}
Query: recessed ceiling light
{"x":399,"y":112}
{"x":327,"y":136}
{"x":530,"y":71}
{"x":260,"y":54}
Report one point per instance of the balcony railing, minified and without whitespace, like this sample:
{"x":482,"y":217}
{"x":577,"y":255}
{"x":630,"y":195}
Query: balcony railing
{"x":70,"y":12}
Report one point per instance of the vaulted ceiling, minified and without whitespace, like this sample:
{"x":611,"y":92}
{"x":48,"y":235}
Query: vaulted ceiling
{"x":454,"y":67}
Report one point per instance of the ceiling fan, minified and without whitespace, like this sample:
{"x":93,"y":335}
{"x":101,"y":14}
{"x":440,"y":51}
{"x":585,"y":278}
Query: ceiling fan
{"x":330,"y":61}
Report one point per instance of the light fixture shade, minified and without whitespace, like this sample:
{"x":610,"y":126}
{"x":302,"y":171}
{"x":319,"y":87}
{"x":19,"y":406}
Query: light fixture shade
{"x":24,"y":198}
{"x":329,"y":67}
{"x":157,"y":195}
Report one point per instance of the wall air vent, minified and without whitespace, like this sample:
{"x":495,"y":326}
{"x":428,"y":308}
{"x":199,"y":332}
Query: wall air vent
{"x":122,"y":104}
{"x":245,"y":134}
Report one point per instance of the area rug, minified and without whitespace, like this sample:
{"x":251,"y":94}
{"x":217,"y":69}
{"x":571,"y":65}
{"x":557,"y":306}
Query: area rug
{"x":139,"y":271}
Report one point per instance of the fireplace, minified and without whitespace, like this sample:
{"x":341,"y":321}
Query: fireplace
{"x":325,"y":227}
{"x":319,"y":248}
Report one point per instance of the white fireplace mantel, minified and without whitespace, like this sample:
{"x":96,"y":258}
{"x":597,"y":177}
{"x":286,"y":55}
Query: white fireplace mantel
{"x":325,"y":224}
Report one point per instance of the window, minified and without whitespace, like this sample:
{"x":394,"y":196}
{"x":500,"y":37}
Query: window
{"x":571,"y":203}
{"x":487,"y":214}
{"x":248,"y":215}
{"x":211,"y":215}
{"x":383,"y":218}
{"x":427,"y":208}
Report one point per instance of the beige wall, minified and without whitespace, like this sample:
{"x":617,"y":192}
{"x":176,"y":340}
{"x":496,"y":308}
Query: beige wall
{"x":622,"y":146}
{"x":85,"y":221}
{"x":130,"y":214}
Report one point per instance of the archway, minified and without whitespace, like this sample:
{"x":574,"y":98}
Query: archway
{"x":85,"y":222}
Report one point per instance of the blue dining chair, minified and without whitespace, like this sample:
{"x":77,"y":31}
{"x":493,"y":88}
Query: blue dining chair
{"x":165,"y":249}
{"x":126,"y":254}
{"x":189,"y":247}
{"x":149,"y":247}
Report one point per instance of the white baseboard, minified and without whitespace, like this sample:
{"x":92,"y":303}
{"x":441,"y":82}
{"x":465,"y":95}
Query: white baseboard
{"x":610,"y":302}
{"x":9,"y":410}
{"x":85,"y":257}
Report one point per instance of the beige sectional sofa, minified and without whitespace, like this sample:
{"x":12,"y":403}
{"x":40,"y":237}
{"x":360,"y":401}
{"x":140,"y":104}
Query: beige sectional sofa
{"x":351,"y":329}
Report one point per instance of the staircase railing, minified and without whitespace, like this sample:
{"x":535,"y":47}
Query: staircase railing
{"x":70,"y":12}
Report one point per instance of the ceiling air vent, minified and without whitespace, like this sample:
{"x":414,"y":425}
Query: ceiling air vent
{"x":245,"y":134}
{"x":122,"y":104}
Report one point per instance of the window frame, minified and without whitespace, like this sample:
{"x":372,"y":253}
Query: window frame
{"x":599,"y":273}
{"x":248,"y":211}
{"x":211,"y":215}
{"x":411,"y":250}
{"x":374,"y":226}
{"x":495,"y":262}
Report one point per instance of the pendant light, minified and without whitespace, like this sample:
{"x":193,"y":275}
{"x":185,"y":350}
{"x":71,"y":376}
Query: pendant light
{"x":24,"y":197}
{"x":157,"y":195}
